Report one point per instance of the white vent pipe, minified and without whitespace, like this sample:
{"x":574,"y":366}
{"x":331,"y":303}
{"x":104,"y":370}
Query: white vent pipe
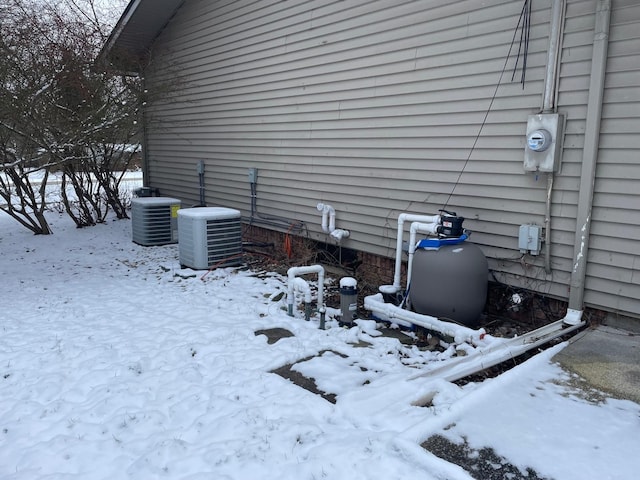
{"x":405,"y":217}
{"x":329,"y":222}
{"x":294,"y":284}
{"x":388,"y":311}
{"x":328,"y":217}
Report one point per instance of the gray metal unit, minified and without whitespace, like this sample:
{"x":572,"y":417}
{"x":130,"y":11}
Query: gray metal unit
{"x":209,"y":237}
{"x":154,"y":220}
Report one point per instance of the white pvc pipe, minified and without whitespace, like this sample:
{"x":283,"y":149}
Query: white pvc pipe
{"x":328,"y":217}
{"x":329,"y":222}
{"x":413,"y":231}
{"x":293,"y":272}
{"x":301,"y":285}
{"x":405,"y":217}
{"x":339,"y":234}
{"x":388,"y":311}
{"x":499,"y":350}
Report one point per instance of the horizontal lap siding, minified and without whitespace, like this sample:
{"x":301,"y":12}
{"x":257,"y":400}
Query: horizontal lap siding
{"x":376,"y":108}
{"x":613,"y":273}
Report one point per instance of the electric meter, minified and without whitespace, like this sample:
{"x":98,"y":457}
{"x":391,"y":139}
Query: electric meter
{"x":539,"y":140}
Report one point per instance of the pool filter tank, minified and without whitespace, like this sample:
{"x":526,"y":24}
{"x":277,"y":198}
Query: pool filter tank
{"x":449,"y":280}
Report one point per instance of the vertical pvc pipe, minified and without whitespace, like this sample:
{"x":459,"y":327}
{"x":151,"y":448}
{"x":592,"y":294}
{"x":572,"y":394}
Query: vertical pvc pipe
{"x":590,"y":154}
{"x":401,"y":219}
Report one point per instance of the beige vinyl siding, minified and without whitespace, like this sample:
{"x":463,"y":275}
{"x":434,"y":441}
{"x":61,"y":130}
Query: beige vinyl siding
{"x":613,"y":272}
{"x":375,"y":107}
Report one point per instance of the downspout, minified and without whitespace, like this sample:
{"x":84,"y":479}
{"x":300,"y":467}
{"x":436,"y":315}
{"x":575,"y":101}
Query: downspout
{"x":590,"y":154}
{"x":549,"y":105}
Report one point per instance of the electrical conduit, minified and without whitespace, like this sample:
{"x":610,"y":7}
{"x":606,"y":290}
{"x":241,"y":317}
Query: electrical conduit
{"x":549,"y":104}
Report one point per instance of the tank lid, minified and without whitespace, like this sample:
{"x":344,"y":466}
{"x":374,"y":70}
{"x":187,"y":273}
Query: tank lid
{"x":436,"y":243}
{"x":348,"y":282}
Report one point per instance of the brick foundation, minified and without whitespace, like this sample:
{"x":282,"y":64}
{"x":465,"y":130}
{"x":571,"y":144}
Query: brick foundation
{"x":372,"y":270}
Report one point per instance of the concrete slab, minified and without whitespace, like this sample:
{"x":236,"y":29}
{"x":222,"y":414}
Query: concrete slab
{"x":608,"y":359}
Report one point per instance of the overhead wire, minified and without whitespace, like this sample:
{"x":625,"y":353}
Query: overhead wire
{"x":524,"y":25}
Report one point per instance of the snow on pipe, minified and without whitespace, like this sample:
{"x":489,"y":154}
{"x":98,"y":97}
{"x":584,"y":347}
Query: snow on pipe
{"x":387,"y":311}
{"x":499,"y":350}
{"x":297,"y":283}
{"x":301,"y":285}
{"x":329,"y":222}
{"x":405,"y":217}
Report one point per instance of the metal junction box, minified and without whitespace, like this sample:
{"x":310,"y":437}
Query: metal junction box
{"x":530,"y":239}
{"x":543,"y":148}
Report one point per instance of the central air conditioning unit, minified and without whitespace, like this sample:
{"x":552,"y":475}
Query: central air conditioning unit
{"x":208,"y":237}
{"x":154,"y":220}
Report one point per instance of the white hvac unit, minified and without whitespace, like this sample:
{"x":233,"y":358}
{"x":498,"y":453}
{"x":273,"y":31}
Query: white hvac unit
{"x":154,"y":220}
{"x":209,"y":237}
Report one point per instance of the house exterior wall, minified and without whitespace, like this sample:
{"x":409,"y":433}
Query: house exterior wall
{"x":389,"y":106}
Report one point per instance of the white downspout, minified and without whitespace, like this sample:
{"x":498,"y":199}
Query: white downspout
{"x":589,"y":160}
{"x":404,"y":217}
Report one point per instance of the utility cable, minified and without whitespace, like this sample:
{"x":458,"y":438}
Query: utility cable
{"x":526,"y":12}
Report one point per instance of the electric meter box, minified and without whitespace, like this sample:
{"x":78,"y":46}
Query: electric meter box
{"x":543,"y":147}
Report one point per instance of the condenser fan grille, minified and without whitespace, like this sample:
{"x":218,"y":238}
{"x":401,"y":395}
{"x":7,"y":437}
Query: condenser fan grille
{"x":209,"y":237}
{"x":154,"y":220}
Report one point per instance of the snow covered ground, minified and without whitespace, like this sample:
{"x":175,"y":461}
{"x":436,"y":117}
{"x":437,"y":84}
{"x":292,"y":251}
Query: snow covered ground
{"x":115,"y":363}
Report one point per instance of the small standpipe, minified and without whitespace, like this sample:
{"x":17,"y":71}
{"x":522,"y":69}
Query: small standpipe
{"x":302,"y":286}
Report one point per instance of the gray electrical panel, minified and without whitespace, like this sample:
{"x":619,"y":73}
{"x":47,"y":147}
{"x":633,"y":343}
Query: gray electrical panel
{"x":543,"y":149}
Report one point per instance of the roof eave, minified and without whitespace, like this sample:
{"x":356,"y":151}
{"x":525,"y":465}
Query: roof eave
{"x":131,"y":39}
